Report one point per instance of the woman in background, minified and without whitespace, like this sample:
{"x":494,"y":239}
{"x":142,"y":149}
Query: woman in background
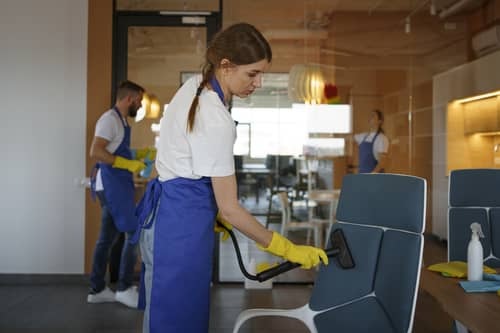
{"x":373,"y":146}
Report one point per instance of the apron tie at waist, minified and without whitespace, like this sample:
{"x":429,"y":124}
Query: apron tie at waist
{"x":147,"y":208}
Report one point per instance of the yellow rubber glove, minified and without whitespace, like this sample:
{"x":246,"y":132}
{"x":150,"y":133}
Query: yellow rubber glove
{"x":306,"y":256}
{"x":152,"y":154}
{"x":218,"y":228}
{"x":130,"y":165}
{"x":141,"y":154}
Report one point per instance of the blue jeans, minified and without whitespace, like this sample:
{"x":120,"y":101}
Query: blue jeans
{"x":107,"y":236}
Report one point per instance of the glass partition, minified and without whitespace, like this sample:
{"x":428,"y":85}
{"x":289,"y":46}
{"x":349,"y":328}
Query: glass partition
{"x":393,"y":56}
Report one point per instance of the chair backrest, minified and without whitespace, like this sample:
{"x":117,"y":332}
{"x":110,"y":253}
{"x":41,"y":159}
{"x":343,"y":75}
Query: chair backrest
{"x":474,"y":196}
{"x":383,"y":218}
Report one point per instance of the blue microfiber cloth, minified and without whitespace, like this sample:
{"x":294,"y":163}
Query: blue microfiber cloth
{"x":491,"y":283}
{"x":491,"y":277}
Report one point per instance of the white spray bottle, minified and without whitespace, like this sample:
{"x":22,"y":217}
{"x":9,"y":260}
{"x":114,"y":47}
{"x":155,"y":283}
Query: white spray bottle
{"x":475,"y":254}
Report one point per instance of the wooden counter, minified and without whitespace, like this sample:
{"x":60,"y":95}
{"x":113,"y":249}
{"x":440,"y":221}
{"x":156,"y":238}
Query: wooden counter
{"x":479,"y":312}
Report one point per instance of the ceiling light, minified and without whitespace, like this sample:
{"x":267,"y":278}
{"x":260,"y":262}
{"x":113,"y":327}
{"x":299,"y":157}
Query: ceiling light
{"x":306,"y":84}
{"x":407,"y":25}
{"x":432,"y":9}
{"x":478,"y":97}
{"x":154,"y":108}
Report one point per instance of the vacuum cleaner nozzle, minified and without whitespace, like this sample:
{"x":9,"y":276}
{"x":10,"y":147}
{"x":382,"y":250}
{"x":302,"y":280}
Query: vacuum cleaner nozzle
{"x":342,"y":252}
{"x":339,"y":249}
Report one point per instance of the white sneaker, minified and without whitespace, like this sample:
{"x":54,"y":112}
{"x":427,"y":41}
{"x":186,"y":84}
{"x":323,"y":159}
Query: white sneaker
{"x":129,"y":297}
{"x":106,"y":295}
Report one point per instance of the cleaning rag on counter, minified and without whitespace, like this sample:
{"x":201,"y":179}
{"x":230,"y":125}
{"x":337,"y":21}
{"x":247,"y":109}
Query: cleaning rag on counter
{"x":490,"y":283}
{"x":455,"y":269}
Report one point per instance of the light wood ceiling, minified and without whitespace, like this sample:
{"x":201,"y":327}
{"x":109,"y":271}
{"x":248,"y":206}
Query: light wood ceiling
{"x":368,"y":32}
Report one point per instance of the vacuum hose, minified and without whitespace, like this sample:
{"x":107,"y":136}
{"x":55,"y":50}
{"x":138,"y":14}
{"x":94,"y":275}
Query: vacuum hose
{"x":342,"y":250}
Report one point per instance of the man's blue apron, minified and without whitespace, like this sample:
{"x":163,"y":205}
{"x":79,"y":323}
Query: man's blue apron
{"x":367,"y":161}
{"x":183,"y":213}
{"x":119,"y":185}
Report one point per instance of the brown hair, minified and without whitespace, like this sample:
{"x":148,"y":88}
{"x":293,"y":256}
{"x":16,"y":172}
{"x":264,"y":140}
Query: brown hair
{"x":380,"y":117}
{"x":241,"y":44}
{"x":126,"y":88}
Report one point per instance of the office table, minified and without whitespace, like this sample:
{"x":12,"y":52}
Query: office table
{"x":479,"y":312}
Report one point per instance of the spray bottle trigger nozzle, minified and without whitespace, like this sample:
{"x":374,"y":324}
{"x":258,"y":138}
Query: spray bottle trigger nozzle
{"x":476,"y":228}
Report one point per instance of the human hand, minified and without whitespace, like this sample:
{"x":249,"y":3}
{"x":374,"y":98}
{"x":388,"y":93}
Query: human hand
{"x":219,"y":228}
{"x":140,"y":154}
{"x":130,"y":165}
{"x":306,"y":256}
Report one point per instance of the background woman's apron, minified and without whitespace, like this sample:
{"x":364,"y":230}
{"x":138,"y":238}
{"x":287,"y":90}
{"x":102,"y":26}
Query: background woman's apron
{"x":177,"y":247}
{"x":119,"y":185}
{"x":367,"y":161}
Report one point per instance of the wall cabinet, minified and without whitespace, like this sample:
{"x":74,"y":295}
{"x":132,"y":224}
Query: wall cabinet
{"x":481,"y":116}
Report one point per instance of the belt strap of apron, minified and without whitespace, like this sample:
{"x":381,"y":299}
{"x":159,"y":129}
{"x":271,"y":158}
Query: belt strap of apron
{"x":147,"y":208}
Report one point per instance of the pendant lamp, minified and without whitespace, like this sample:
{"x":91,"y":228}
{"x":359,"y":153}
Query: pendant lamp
{"x":154,"y":108}
{"x":146,"y":103}
{"x":306,"y":84}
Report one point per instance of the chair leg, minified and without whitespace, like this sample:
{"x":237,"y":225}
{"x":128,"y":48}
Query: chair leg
{"x":317,"y":240}
{"x":304,"y":314}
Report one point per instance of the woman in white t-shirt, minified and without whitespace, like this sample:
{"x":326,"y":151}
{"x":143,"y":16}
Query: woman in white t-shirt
{"x":196,"y":180}
{"x":373,"y":146}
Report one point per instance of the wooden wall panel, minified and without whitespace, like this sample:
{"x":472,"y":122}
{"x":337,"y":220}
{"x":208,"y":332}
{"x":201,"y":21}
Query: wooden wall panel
{"x":466,"y":151}
{"x":99,"y":64}
{"x":422,"y":122}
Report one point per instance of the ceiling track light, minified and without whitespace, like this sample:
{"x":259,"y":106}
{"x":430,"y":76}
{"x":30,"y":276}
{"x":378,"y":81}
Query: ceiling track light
{"x":432,"y":8}
{"x":407,"y":25}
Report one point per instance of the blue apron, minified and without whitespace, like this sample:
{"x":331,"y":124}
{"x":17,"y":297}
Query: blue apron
{"x":119,"y":185}
{"x":183,"y":213}
{"x":367,"y":161}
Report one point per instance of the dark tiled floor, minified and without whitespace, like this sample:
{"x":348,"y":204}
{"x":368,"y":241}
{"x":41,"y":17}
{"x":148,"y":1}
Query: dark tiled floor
{"x":60,"y":307}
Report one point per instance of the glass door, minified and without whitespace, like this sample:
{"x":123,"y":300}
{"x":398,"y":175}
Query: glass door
{"x":154,"y":49}
{"x":157,"y":50}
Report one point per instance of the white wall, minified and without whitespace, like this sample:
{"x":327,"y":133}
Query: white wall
{"x":474,"y":78}
{"x":43,"y":70}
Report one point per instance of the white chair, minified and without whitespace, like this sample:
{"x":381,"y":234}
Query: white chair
{"x":287,"y":224}
{"x":318,"y":198}
{"x":382,"y":217}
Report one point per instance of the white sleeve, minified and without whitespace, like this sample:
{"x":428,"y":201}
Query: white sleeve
{"x":381,"y":145}
{"x":106,"y":127}
{"x":359,"y":137}
{"x":212,"y":151}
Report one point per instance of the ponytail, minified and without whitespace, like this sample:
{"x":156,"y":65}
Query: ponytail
{"x":208,"y":71}
{"x":380,"y":117}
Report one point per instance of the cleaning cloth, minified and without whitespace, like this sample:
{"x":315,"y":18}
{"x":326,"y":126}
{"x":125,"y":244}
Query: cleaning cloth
{"x":455,"y":269}
{"x":491,"y":283}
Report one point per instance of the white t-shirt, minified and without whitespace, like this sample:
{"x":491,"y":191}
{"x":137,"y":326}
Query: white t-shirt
{"x":380,"y":146}
{"x":109,"y":127}
{"x":206,"y":151}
